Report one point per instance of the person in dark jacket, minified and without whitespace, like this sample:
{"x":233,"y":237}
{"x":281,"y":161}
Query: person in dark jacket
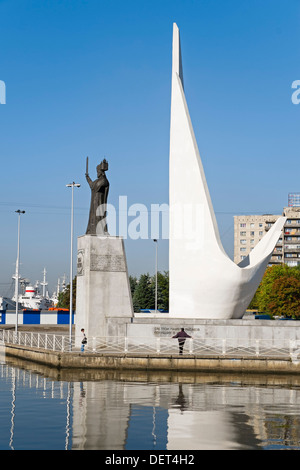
{"x":84,"y":339}
{"x":181,"y":335}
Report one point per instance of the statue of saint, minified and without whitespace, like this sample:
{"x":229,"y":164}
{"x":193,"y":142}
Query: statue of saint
{"x":99,"y":192}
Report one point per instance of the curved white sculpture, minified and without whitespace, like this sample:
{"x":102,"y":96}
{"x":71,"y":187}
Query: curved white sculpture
{"x":204,"y":281}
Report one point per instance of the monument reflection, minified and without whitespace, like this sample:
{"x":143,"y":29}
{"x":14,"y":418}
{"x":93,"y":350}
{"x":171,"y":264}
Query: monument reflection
{"x":110,"y":410}
{"x":132,"y":416}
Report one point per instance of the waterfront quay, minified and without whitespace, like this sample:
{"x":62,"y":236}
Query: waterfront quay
{"x":50,"y":345}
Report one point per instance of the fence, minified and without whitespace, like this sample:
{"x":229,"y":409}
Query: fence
{"x":207,"y":347}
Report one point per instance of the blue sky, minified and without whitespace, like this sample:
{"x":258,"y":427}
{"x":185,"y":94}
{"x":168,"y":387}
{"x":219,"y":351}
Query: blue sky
{"x":94,"y":78}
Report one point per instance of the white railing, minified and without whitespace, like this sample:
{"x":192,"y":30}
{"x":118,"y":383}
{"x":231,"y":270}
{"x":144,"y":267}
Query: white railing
{"x":35,"y":340}
{"x":207,"y":347}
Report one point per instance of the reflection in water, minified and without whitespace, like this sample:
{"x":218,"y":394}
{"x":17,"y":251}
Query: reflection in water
{"x":13,"y":401}
{"x":42,"y":408}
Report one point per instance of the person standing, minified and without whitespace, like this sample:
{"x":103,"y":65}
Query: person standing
{"x":84,"y":339}
{"x":181,"y":335}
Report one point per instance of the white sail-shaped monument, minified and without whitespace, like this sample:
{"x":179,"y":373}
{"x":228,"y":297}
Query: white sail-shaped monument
{"x":204,"y":282}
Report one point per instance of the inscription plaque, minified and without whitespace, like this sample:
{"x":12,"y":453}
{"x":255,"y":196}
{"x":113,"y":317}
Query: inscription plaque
{"x":112,"y":263}
{"x":80,"y":263}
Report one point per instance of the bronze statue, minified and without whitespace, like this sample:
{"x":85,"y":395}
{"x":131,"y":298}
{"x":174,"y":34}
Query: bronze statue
{"x":99,"y":192}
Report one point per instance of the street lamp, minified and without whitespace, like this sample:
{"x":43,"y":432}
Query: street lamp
{"x":17,"y":271}
{"x":155,"y":241}
{"x":71,"y":185}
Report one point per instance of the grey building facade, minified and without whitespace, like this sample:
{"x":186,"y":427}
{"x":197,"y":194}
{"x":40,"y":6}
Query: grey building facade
{"x":249,"y":230}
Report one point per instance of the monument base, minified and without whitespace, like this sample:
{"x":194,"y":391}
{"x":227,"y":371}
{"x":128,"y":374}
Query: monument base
{"x":239,"y":333}
{"x":103,"y":289}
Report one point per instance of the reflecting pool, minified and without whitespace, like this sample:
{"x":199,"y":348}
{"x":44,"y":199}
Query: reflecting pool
{"x":42,"y":408}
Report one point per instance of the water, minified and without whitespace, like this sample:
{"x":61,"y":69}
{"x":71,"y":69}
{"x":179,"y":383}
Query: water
{"x":44,"y":409}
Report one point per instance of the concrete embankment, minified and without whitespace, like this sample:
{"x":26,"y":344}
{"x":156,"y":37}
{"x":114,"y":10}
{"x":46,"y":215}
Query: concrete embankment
{"x":147,"y":362}
{"x":78,"y":360}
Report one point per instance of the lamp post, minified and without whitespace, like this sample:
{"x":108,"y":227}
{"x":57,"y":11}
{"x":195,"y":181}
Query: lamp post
{"x":155,"y":241}
{"x":71,"y":185}
{"x":17,"y":271}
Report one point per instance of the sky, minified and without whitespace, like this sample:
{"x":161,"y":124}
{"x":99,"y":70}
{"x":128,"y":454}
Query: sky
{"x":93,"y":78}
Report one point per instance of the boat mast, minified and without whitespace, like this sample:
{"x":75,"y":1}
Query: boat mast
{"x":44,"y":283}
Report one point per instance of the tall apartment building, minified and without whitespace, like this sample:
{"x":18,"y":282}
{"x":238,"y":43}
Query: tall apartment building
{"x":249,"y":230}
{"x":294,"y":199}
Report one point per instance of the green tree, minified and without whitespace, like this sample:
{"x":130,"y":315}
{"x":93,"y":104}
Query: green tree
{"x":162,"y":290}
{"x":64,"y":297}
{"x":132,"y":284}
{"x":254,"y":303}
{"x":284,"y":299}
{"x":266,"y":293}
{"x":143,"y":294}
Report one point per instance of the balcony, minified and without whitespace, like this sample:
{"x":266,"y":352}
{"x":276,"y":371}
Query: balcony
{"x":291,"y":231}
{"x":295,"y":249}
{"x":275,"y":261}
{"x":292,"y":241}
{"x":292,"y":224}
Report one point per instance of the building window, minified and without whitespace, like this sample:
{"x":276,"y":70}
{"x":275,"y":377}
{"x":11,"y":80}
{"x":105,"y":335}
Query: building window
{"x":242,"y":225}
{"x":243,"y":242}
{"x":293,"y":263}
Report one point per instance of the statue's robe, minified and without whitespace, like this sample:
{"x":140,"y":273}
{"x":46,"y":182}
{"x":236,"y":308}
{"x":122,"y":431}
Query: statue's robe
{"x":99,"y":193}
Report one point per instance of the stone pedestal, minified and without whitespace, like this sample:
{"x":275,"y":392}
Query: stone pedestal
{"x":103,"y":289}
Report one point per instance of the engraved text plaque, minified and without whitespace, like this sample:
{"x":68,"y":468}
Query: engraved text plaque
{"x":110,"y":263}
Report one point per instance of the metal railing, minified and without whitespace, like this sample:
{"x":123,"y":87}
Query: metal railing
{"x":35,"y":340}
{"x":205,"y":347}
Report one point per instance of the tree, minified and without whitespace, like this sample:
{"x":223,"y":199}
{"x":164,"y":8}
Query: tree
{"x":277,"y":277}
{"x":143,"y":291}
{"x":284,"y":299}
{"x":143,"y":294}
{"x":64,"y":297}
{"x":132,"y":283}
{"x":162,"y":290}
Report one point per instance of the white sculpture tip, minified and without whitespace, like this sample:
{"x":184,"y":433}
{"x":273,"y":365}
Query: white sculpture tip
{"x":176,"y":60}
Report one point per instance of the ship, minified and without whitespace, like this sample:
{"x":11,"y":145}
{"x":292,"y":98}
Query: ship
{"x":30,"y":297}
